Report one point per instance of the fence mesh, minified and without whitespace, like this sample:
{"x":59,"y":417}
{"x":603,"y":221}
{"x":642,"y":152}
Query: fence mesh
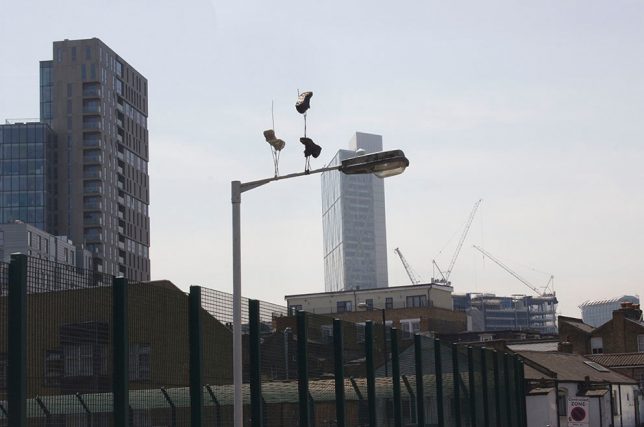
{"x":70,"y":346}
{"x":4,"y":282}
{"x":69,"y":339}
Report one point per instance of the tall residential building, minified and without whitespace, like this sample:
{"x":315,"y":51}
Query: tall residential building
{"x":97,"y":105}
{"x":353,"y":223}
{"x":596,"y":313}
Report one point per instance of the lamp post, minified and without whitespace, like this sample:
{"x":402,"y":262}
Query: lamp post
{"x":367,"y":307}
{"x":382,"y":164}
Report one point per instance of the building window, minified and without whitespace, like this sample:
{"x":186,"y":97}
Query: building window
{"x":139,"y":362}
{"x":409,"y":327}
{"x":562,"y":402}
{"x":78,"y":360}
{"x":369,"y":303}
{"x":360,"y":332}
{"x":417,"y":301}
{"x":640,"y":343}
{"x":389,"y":303}
{"x":344,"y":306}
{"x":596,"y":345}
{"x":327,"y":333}
{"x":54,"y":368}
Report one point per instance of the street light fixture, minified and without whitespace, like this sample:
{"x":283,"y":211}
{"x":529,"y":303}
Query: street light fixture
{"x":382,"y":164}
{"x":367,"y":307}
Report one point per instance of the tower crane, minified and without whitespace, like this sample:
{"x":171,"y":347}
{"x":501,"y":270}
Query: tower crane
{"x":459,"y":246}
{"x":515,"y":275}
{"x":415,"y":280}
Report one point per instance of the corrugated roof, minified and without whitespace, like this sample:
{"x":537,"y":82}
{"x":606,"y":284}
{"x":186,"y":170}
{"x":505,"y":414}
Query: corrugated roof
{"x":615,"y":360}
{"x":535,"y":346}
{"x":627,"y":298}
{"x":578,"y":324}
{"x":571,"y":367}
{"x":272,"y":392}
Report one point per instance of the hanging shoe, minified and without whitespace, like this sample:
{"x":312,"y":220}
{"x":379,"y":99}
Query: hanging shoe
{"x":276,"y":143}
{"x":303,"y":102}
{"x":310,"y":148}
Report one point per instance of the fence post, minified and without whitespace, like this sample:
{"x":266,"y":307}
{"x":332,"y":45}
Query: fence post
{"x":524,"y":415}
{"x":302,"y":369}
{"x":484,"y":379}
{"x":497,"y":387}
{"x":395,"y":377}
{"x":255,"y":364}
{"x":472,"y":381}
{"x":371,"y":372}
{"x":456,"y":380}
{"x":120,"y":385}
{"x":420,"y":391}
{"x":17,"y":341}
{"x":438,"y":363}
{"x":196,"y":356}
{"x":506,"y":389}
{"x":517,"y":391}
{"x":338,"y":346}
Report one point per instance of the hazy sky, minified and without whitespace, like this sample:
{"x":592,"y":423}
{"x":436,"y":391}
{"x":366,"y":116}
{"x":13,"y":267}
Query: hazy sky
{"x":536,"y":107}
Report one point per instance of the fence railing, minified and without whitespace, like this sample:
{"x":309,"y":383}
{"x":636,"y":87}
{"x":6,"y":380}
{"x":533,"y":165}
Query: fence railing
{"x":87,"y":349}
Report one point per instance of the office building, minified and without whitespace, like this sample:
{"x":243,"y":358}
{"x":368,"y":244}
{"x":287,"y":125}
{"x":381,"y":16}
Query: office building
{"x":27,"y":174}
{"x":596,"y":313}
{"x":97,"y":105}
{"x":353,"y":223}
{"x":489,"y":312}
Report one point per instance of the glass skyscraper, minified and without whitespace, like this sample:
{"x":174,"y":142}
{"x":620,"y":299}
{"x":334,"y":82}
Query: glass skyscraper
{"x":353,"y":223}
{"x":27,"y":174}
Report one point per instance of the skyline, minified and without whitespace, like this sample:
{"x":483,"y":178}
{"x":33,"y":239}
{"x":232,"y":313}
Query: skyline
{"x":533,"y":108}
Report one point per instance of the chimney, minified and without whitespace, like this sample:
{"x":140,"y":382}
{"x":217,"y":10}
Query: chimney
{"x":564,"y":347}
{"x":629,"y":311}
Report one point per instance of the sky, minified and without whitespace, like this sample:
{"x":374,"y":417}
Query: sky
{"x":535,"y":107}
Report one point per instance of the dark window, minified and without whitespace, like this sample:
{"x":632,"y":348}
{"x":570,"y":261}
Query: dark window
{"x":369,"y":303}
{"x":389,"y":303}
{"x":54,"y":368}
{"x":417,"y":301}
{"x":344,"y":306}
{"x":139,"y":362}
{"x":562,"y":402}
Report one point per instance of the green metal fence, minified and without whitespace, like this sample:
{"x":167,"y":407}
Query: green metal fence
{"x":79,"y":348}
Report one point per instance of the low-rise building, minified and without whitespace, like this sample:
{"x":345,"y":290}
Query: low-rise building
{"x":556,"y":382}
{"x":24,"y":238}
{"x":624,"y":333}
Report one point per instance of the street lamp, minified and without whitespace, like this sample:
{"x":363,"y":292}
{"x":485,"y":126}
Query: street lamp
{"x":368,"y":307}
{"x":382,"y":164}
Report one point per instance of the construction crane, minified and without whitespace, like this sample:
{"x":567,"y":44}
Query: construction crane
{"x":459,"y":246}
{"x":516,"y":276}
{"x":415,"y":280}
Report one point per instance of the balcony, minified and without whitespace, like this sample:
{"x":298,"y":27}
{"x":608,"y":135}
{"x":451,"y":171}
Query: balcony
{"x":92,"y":174}
{"x":93,"y":221}
{"x":92,"y":156}
{"x":91,"y":108}
{"x":92,"y":204}
{"x":92,"y":90}
{"x":92,"y":122}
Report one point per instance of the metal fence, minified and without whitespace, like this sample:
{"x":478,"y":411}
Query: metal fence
{"x":79,"y":348}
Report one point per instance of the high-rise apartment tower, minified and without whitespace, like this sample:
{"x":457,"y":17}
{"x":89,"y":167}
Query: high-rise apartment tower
{"x":353,"y":223}
{"x":97,"y":105}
